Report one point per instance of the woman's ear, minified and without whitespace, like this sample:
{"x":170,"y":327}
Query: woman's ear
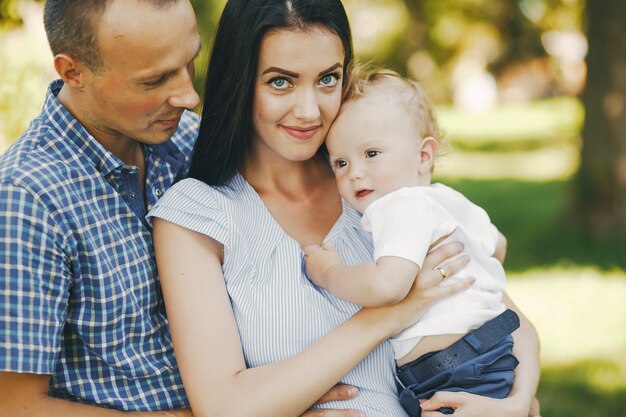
{"x":428,"y":149}
{"x":70,"y":70}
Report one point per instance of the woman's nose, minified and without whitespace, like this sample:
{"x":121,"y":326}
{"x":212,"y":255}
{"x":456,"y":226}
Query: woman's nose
{"x":307,"y":107}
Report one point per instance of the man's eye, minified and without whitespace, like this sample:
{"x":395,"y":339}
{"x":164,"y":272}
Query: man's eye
{"x":371,"y":154}
{"x":155,"y":83}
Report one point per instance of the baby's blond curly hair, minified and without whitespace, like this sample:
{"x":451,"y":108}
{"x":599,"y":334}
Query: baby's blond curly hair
{"x":401,"y":90}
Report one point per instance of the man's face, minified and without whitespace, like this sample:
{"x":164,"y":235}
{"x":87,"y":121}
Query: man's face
{"x":145,"y":81}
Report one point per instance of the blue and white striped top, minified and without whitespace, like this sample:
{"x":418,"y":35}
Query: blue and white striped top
{"x":279,"y":312}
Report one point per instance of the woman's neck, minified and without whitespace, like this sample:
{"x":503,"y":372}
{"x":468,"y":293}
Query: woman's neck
{"x":292,"y":179}
{"x":301,"y":196}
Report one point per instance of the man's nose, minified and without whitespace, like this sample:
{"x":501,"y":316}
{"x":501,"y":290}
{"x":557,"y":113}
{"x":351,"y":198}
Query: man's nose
{"x":185,"y":95}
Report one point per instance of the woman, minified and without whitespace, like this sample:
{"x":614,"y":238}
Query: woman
{"x":252,"y":335}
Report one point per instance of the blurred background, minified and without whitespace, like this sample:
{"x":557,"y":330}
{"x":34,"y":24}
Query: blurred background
{"x":531,"y":95}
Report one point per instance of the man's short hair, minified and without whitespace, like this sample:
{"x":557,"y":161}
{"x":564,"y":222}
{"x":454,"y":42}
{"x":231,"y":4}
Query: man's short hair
{"x":71,"y":27}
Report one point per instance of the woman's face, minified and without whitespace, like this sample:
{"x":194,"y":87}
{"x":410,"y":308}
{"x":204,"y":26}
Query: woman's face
{"x":297,"y":91}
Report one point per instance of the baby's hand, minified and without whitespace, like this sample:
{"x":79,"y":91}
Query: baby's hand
{"x":318,"y":260}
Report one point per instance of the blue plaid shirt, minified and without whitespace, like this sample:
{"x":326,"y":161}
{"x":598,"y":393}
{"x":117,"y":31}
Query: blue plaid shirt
{"x":79,"y":297}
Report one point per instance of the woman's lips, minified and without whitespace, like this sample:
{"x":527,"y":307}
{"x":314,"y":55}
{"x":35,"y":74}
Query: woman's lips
{"x":302,"y":133}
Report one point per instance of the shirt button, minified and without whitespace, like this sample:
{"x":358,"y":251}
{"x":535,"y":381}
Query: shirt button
{"x":132,"y":195}
{"x":158,"y":192}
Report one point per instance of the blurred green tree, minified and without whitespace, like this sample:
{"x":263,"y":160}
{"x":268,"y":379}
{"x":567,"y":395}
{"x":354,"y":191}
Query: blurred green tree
{"x":9,"y":13}
{"x":208,"y":13}
{"x":601,"y":181}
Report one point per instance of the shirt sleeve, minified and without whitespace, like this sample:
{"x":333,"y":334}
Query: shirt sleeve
{"x":476,"y":220}
{"x":35,"y":281}
{"x":194,"y":205}
{"x":401,"y":226}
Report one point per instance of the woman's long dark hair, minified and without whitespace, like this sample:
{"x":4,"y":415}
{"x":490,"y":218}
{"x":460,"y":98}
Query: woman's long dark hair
{"x":226,"y":129}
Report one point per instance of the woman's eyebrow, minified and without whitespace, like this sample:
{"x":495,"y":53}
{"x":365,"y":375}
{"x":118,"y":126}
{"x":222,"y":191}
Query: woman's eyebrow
{"x":329,"y":69}
{"x":295,"y":75}
{"x":281,"y":71}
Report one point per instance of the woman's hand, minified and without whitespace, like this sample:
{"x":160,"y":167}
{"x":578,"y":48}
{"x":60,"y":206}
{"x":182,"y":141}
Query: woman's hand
{"x":426,"y":290}
{"x":339,"y":392}
{"x":471,"y":405}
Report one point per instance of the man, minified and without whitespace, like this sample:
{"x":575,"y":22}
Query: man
{"x":82,"y":321}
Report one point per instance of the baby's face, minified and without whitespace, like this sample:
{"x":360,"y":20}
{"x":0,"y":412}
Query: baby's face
{"x":374,"y":149}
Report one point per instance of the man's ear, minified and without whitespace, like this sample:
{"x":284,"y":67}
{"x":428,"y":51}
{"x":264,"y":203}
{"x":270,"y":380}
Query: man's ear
{"x":71,"y":71}
{"x":428,"y":149}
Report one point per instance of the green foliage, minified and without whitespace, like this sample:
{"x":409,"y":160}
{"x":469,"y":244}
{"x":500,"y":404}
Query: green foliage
{"x":506,"y":128}
{"x":208,"y":13}
{"x":25,"y":70}
{"x":21,"y":96}
{"x":10,"y":14}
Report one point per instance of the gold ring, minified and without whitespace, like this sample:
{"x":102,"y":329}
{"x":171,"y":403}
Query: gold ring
{"x":442,"y":272}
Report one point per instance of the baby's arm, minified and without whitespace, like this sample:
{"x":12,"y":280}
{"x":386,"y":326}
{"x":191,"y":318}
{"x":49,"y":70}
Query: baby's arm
{"x":372,"y":284}
{"x":500,"y":251}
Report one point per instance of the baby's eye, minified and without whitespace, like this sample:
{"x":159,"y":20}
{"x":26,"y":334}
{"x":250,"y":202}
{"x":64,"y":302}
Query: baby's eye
{"x":340,"y":163}
{"x":371,"y":153}
{"x":329,"y":80}
{"x":279,"y":83}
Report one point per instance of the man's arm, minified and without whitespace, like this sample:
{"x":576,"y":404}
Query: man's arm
{"x":372,"y":284}
{"x":26,"y":395}
{"x":36,"y":278}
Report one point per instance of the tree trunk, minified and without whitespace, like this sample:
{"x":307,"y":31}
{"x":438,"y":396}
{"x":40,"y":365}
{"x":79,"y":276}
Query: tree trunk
{"x":416,"y":32}
{"x":601,"y":180}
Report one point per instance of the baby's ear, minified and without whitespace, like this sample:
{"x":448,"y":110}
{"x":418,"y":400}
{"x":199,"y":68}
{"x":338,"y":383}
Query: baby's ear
{"x":428,"y":149}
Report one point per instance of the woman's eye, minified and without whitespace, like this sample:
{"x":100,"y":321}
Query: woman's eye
{"x":279,"y":83}
{"x":371,"y":154}
{"x":329,"y":80}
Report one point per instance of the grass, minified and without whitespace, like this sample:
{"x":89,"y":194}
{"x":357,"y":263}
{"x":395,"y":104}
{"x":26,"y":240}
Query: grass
{"x":580,"y":316}
{"x":566,"y":391}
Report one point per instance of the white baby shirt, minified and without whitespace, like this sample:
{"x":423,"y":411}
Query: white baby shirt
{"x":406,"y":222}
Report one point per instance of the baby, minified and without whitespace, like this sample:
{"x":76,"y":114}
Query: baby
{"x":382,"y":148}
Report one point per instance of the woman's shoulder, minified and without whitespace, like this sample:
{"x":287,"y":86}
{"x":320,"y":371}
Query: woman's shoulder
{"x":188,"y":186}
{"x":190,"y":199}
{"x":191,"y":189}
{"x":195,"y":205}
{"x":188,"y":192}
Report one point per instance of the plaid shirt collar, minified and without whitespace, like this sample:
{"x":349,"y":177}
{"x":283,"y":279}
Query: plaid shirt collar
{"x":102,"y":159}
